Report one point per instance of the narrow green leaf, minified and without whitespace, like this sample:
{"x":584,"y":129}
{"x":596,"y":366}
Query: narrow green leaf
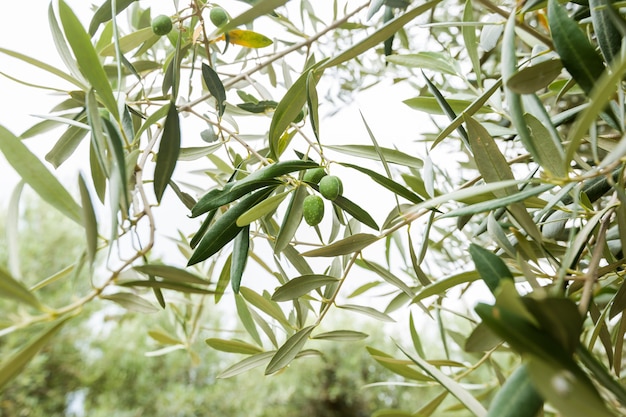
{"x":341,"y":336}
{"x":215,"y":86}
{"x":14,"y":290}
{"x":288,"y":109}
{"x":167,"y":285}
{"x":225,"y":228}
{"x":13,"y":365}
{"x":246,"y":319}
{"x":368,"y":311}
{"x":288,"y":352}
{"x":351,"y":244}
{"x":152,"y":119}
{"x":470,"y":110}
{"x":431,"y":105}
{"x":388,"y":183}
{"x":103,"y":14}
{"x":550,"y":154}
{"x":262,"y":209}
{"x":535,"y":77}
{"x":218,"y":197}
{"x":129,"y":42}
{"x":572,"y":395}
{"x":291,"y":219}
{"x":116,"y":147}
{"x":482,"y":339}
{"x":470,"y":40}
{"x":42,"y":65}
{"x":369,"y":152}
{"x":380,"y":35}
{"x":491,"y":164}
{"x":313,"y":104}
{"x":388,"y":276}
{"x":441,"y":286}
{"x":267,"y":306}
{"x":164,"y":338}
{"x":66,"y":144}
{"x":355,"y":211}
{"x":491,"y":268}
{"x":37,"y":176}
{"x":607,"y":33}
{"x":434,"y":61}
{"x":517,"y":397}
{"x":428,"y":409}
{"x":497,"y":203}
{"x":171,"y":273}
{"x":301,"y":285}
{"x":168,"y":152}
{"x":87,"y":58}
{"x":89,"y":219}
{"x":233,"y":346}
{"x":247,"y":364}
{"x":579,"y":57}
{"x":397,"y":366}
{"x":239,"y":258}
{"x":132,"y":302}
{"x":601,"y":94}
{"x":450,"y":385}
{"x":445,"y":106}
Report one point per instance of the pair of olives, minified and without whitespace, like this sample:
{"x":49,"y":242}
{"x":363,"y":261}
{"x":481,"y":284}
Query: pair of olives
{"x":330,"y":187}
{"x":162,"y":24}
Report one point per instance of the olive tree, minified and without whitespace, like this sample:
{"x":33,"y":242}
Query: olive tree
{"x":503,"y":223}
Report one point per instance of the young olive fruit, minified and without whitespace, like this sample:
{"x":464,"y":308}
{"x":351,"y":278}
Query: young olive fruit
{"x":331,"y":187}
{"x":314,"y":175}
{"x":161,"y":25}
{"x":218,"y":16}
{"x":313,"y":209}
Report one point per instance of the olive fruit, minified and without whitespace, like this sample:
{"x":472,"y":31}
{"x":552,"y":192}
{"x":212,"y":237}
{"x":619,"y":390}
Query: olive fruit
{"x":161,"y":25}
{"x":331,"y":187}
{"x":313,"y":209}
{"x":218,"y":16}
{"x":314,"y":175}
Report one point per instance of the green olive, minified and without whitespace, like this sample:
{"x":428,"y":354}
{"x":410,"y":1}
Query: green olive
{"x":314,"y":175}
{"x":331,"y":187}
{"x":161,"y":25}
{"x":218,"y":16}
{"x":313,"y":209}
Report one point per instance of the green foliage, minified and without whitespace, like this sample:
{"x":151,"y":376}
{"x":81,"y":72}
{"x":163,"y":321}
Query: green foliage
{"x":513,"y":220}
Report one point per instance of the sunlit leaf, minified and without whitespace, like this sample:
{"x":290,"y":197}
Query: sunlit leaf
{"x":441,"y":286}
{"x":291,"y":219}
{"x":397,"y":366}
{"x":435,"y":61}
{"x":269,"y":307}
{"x":262,"y":209}
{"x":301,"y":285}
{"x":233,"y":346}
{"x":260,"y":8}
{"x":248,"y":38}
{"x":13,"y":289}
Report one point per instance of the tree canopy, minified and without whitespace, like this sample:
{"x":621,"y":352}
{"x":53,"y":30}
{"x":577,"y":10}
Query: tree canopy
{"x":503,"y":217}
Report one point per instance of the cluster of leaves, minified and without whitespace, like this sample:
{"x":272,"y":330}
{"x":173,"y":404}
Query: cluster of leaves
{"x":530,"y":100}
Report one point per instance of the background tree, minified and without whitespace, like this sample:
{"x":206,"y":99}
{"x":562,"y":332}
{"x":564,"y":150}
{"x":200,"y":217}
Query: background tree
{"x":526,"y":210}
